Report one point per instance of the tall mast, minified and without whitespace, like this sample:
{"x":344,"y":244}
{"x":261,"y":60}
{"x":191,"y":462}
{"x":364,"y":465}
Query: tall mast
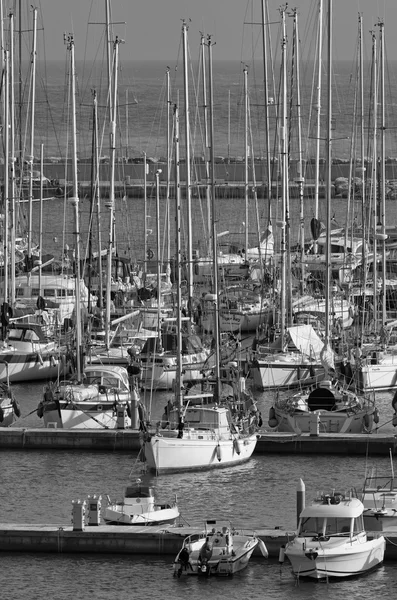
{"x":382,"y":166}
{"x":11,"y":157}
{"x":246,"y":158}
{"x":375,"y":178}
{"x":213,"y":223}
{"x":318,"y":108}
{"x":284,"y":193}
{"x":329,"y":179}
{"x":178,"y":225}
{"x":75,"y":203}
{"x":6,"y":174}
{"x":111,"y":202}
{"x":187,"y":166}
{"x":32,"y":115}
{"x":206,"y":146}
{"x":266,"y":95}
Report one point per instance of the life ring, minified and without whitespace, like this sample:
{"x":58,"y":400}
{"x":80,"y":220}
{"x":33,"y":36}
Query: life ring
{"x":99,"y":407}
{"x":149,"y":253}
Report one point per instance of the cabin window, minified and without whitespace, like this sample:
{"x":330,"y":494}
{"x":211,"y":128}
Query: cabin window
{"x":35,"y":292}
{"x":334,"y":526}
{"x":61,"y":293}
{"x":311,"y":526}
{"x":31,"y":335}
{"x":49,"y":293}
{"x":70,"y":292}
{"x":15,"y":334}
{"x":19,"y":292}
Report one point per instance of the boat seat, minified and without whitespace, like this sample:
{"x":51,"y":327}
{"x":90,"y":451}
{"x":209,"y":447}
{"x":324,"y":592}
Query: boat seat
{"x":321,"y":399}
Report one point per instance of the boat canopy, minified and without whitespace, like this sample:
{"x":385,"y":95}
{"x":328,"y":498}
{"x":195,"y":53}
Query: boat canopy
{"x":346,"y":508}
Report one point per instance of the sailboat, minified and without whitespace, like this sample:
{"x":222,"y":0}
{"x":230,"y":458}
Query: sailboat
{"x":328,"y":406}
{"x":97,"y":396}
{"x":196,"y":435}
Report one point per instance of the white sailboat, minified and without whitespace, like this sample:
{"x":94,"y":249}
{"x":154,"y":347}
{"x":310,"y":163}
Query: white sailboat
{"x":196,"y":435}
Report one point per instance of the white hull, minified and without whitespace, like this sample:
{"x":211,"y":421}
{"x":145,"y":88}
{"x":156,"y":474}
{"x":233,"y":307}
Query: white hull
{"x":233,"y":321}
{"x":378,"y":377}
{"x":7,"y":414}
{"x":285,"y":373}
{"x":158,"y":377}
{"x":329,"y":421}
{"x":85,"y":418}
{"x":116,"y":514}
{"x":196,"y":450}
{"x":335,"y":559}
{"x":31,"y":366}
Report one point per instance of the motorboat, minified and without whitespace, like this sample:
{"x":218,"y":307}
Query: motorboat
{"x":328,"y":407}
{"x":104,"y":399}
{"x":331,"y":540}
{"x":219,"y":550}
{"x":139,"y":507}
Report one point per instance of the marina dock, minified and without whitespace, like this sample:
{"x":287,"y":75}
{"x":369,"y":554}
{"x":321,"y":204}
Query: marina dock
{"x":350,"y":444}
{"x":115,"y":539}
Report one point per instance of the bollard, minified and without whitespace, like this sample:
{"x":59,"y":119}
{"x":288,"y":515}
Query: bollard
{"x":300,"y":499}
{"x":94,"y":510}
{"x":314,"y":424}
{"x":78,"y":515}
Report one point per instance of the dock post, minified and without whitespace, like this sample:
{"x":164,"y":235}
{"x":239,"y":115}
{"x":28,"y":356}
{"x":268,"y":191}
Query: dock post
{"x":300,"y":499}
{"x":78,"y":515}
{"x":94,"y":510}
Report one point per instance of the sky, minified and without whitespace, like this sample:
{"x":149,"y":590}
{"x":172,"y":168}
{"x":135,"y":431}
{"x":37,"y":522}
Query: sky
{"x":151,"y":28}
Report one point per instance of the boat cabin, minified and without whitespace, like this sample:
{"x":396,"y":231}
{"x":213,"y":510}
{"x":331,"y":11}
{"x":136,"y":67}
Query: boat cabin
{"x":107,"y":377}
{"x":332,"y":515}
{"x":139,"y":498}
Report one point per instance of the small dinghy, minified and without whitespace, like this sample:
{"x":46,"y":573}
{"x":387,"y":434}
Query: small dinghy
{"x":331,"y":540}
{"x":219,"y":550}
{"x":139,"y":508}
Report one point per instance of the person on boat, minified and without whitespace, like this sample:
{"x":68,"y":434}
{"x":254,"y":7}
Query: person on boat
{"x":384,"y":335}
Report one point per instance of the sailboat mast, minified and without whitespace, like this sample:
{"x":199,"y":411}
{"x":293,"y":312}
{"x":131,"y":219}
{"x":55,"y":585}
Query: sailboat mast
{"x":382,"y":166}
{"x":110,"y":204}
{"x":11,"y":155}
{"x":246,"y":158}
{"x":6,"y":174}
{"x":266,"y":96}
{"x":329,"y":180}
{"x":187,"y":166}
{"x":318,"y":108}
{"x":213,"y":223}
{"x":32,"y":115}
{"x":284,"y":159}
{"x":75,"y":203}
{"x":375,"y":180}
{"x":178,"y":225}
{"x":206,"y":146}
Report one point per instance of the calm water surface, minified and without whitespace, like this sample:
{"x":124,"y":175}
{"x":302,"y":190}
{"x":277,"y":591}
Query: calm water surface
{"x":39,"y":486}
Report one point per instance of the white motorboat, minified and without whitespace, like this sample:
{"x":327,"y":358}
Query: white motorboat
{"x":331,"y":541}
{"x":328,"y":407}
{"x":104,"y":400}
{"x":219,"y":550}
{"x":140,"y":508}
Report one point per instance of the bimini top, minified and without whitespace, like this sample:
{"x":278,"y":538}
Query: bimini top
{"x":335,"y":505}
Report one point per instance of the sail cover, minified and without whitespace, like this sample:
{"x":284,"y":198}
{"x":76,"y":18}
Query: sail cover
{"x":306,"y":340}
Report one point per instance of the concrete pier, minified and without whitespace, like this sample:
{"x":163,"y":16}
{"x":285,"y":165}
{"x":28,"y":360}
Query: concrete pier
{"x":126,"y":440}
{"x":130,"y":540}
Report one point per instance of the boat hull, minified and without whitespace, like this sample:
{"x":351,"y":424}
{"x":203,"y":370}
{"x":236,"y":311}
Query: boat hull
{"x":32,"y":366}
{"x":328,"y":421}
{"x":340,"y":560}
{"x":284,"y":374}
{"x":196,"y":451}
{"x":116,"y":514}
